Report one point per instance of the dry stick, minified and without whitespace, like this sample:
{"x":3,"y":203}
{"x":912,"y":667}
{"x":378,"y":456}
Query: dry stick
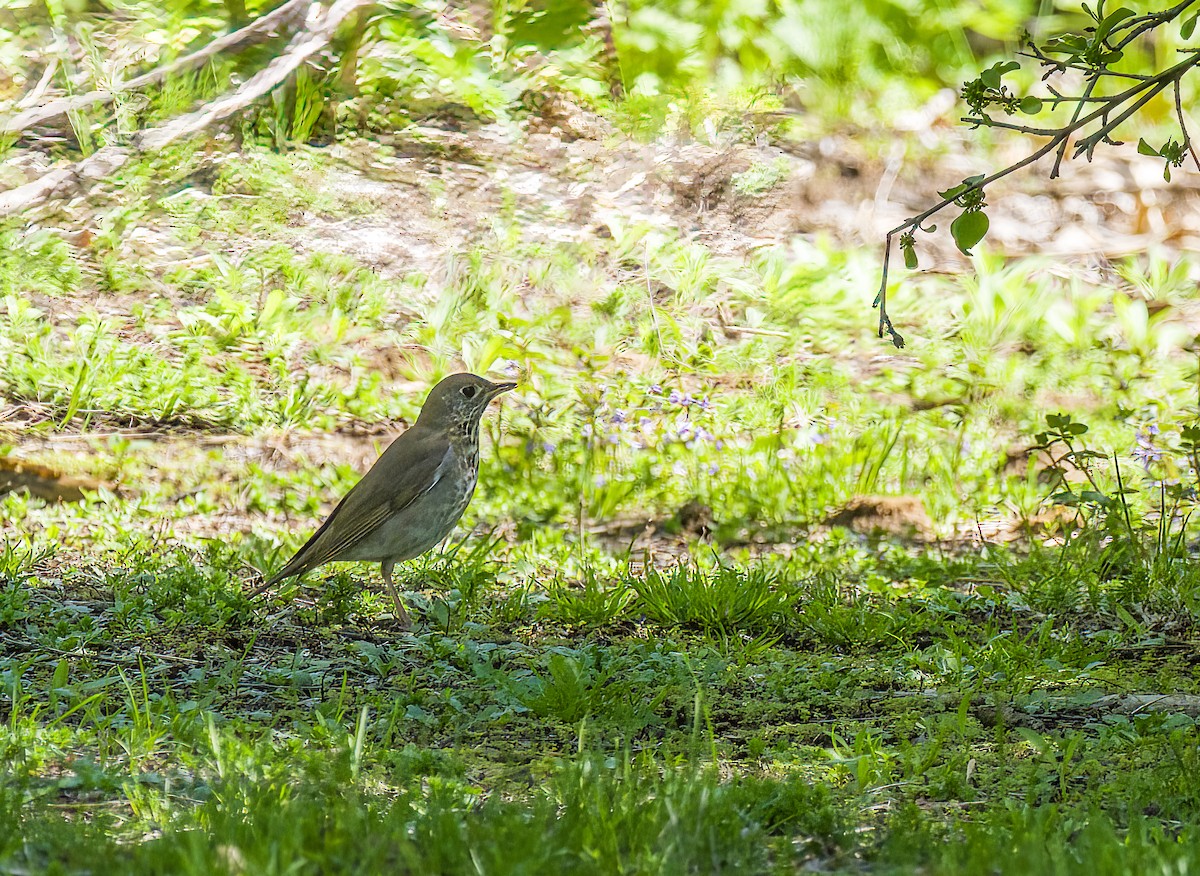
{"x":1147,"y":89}
{"x":303,"y":46}
{"x":100,"y":163}
{"x":42,"y":86}
{"x":284,"y":17}
{"x":109,"y":158}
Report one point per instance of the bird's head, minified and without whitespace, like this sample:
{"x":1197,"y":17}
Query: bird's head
{"x":459,"y":398}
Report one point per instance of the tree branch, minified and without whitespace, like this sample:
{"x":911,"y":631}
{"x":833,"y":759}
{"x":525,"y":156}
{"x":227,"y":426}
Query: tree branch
{"x":1140,"y":93}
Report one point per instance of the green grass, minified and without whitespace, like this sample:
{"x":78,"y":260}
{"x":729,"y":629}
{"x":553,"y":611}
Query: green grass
{"x":646,"y":652}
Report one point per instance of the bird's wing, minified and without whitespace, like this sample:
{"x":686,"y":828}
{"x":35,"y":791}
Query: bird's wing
{"x":408,"y":469}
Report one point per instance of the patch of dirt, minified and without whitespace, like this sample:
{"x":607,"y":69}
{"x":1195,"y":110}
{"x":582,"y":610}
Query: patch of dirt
{"x":898,"y":516}
{"x":44,"y":482}
{"x":568,"y":176}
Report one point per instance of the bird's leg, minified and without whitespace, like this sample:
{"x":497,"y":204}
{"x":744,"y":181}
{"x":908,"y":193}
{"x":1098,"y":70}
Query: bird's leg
{"x":401,"y":614}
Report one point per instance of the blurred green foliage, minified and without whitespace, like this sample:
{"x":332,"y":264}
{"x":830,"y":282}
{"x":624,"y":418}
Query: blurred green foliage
{"x":421,"y":58}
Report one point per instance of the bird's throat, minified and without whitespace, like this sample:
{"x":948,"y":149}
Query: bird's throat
{"x":467,"y":431}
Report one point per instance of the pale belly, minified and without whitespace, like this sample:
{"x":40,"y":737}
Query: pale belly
{"x":419,"y":527}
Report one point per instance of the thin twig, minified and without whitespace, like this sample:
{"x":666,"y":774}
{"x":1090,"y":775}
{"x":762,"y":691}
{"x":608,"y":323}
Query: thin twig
{"x":1062,"y":149}
{"x":1143,"y":23}
{"x":989,"y":122}
{"x":1089,"y":143}
{"x":885,"y":324}
{"x":1187,"y":138}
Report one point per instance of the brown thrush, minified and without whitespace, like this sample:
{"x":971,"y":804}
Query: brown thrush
{"x":412,"y":497}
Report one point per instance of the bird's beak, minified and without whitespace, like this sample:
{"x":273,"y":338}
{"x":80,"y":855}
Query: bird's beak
{"x":498,"y":388}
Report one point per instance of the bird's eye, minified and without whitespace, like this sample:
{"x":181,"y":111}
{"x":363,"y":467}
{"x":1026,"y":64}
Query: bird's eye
{"x":468,"y":391}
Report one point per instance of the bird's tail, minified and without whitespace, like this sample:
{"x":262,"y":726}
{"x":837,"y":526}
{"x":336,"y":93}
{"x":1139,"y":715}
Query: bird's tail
{"x":290,"y":570}
{"x":300,"y":563}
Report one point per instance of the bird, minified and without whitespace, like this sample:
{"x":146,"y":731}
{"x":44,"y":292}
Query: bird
{"x":414,"y":494}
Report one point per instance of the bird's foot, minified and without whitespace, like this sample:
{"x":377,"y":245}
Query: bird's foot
{"x":399,"y":622}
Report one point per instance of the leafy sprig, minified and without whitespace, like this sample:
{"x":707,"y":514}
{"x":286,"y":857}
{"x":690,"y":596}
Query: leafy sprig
{"x":1095,"y":116}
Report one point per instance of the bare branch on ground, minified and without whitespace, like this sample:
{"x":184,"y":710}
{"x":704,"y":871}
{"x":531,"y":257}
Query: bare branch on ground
{"x":285,"y":17}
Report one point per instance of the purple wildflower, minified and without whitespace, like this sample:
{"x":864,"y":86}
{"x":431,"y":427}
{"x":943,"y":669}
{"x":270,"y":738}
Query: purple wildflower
{"x":1144,"y":450}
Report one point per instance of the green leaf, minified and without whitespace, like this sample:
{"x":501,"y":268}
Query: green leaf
{"x":1036,"y":741}
{"x":61,"y":672}
{"x":910,"y":257}
{"x":1126,"y":617}
{"x":968,"y":229}
{"x":1031,"y":105}
{"x":1145,"y":148}
{"x":1071,"y":44}
{"x":1057,"y":421}
{"x":954,"y":191}
{"x":1189,"y":27}
{"x":991,"y":76}
{"x":1112,"y":20}
{"x":1167,"y":172}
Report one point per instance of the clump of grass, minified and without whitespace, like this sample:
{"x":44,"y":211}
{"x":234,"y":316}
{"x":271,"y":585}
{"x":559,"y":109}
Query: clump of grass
{"x":594,"y":603}
{"x":723,"y":600}
{"x":760,"y":177}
